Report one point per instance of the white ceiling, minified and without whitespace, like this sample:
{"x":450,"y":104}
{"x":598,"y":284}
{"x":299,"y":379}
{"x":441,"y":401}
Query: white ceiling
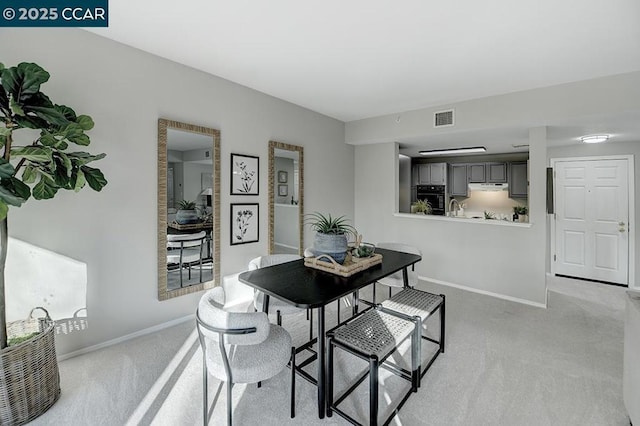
{"x":357,"y":59}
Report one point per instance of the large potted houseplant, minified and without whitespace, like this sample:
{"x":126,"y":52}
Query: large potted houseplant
{"x":35,"y":135}
{"x":331,"y":235}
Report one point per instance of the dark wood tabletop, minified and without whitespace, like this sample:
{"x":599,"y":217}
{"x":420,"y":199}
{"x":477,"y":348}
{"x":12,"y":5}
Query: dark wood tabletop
{"x":306,"y":287}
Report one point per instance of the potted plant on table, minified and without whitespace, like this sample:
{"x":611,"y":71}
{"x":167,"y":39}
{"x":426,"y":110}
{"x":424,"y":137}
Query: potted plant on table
{"x":331,"y":235}
{"x":187,"y":213}
{"x":29,"y":380}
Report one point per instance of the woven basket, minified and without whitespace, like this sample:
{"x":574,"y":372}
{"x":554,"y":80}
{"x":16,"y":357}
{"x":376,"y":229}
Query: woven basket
{"x":352,"y":265}
{"x":30,"y":382}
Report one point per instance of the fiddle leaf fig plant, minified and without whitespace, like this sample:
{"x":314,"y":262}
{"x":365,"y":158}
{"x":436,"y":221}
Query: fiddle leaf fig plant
{"x":42,"y":166}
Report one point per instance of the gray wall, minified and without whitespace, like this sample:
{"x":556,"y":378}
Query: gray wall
{"x":284,"y":165}
{"x":506,"y":261}
{"x":525,"y":109}
{"x":115,"y":232}
{"x":489,"y":258}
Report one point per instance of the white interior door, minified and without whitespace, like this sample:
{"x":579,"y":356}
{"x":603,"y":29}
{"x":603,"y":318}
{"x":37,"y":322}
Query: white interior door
{"x":592,"y":220}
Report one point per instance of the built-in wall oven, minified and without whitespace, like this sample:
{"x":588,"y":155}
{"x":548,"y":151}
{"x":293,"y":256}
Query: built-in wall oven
{"x":435,"y":195}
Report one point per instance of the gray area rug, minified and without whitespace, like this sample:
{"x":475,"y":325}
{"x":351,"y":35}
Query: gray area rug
{"x":505,"y":364}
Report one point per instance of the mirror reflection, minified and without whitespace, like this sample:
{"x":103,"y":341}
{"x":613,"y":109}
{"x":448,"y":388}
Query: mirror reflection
{"x":189,"y":203}
{"x":285,"y":198}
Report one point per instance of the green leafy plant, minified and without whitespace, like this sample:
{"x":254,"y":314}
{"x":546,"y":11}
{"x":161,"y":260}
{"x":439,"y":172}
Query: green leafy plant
{"x":42,"y":167}
{"x":422,"y":206}
{"x":489,"y":215}
{"x":329,"y":225}
{"x":520,"y":210}
{"x":187,"y":205}
{"x":19,"y":339}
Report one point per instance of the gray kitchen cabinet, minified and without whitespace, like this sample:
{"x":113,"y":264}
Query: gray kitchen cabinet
{"x":415,"y":174}
{"x":438,"y":174}
{"x":496,"y":172}
{"x":458,"y":180}
{"x":476,"y":172}
{"x":424,"y":174}
{"x":431,"y":173}
{"x":518,"y":180}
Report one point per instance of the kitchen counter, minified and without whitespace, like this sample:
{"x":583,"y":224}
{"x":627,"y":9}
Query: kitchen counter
{"x":480,"y":221}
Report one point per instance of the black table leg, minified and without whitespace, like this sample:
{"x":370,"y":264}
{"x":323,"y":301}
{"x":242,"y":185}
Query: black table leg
{"x":265,"y":303}
{"x":405,"y":277}
{"x":354,"y":303}
{"x":321,"y":364}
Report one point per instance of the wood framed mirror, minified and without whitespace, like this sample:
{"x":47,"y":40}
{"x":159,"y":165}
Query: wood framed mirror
{"x":286,"y":198}
{"x":188,"y":208}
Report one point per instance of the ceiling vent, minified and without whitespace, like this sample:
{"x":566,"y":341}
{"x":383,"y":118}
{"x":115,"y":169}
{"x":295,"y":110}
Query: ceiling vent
{"x":443,"y":118}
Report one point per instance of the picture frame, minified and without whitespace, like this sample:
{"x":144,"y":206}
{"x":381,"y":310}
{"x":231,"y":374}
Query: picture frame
{"x":244,"y":223}
{"x":283,"y":190}
{"x":245,"y":173}
{"x":283,"y":176}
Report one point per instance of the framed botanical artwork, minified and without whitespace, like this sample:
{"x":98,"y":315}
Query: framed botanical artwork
{"x":283,"y":190}
{"x":245,"y":170}
{"x":244,"y":223}
{"x":283,"y":176}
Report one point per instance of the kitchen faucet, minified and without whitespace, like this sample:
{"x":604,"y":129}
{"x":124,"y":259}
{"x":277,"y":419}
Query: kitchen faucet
{"x":452,"y":212}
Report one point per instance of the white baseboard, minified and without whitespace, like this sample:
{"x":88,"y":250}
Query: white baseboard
{"x":486,"y":293}
{"x":127,"y":337}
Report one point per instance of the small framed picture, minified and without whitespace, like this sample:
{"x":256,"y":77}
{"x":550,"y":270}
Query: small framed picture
{"x":245,"y":170}
{"x":283,"y":190}
{"x":244,"y":223}
{"x":283,"y":176}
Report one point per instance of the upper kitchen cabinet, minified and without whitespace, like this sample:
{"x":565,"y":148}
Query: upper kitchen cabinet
{"x":430,"y":173}
{"x":438,"y":174}
{"x":487,"y":172}
{"x":476,"y":173}
{"x":458,"y":180}
{"x":415,"y":174}
{"x":496,"y":172}
{"x":518,"y":180}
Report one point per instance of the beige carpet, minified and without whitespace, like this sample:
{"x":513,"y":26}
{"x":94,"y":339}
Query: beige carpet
{"x":505,"y":364}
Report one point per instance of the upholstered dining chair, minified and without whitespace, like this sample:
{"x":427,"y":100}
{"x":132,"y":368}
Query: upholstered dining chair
{"x":184,"y":250}
{"x":281,"y":308}
{"x":240,"y":347}
{"x":395,"y":280}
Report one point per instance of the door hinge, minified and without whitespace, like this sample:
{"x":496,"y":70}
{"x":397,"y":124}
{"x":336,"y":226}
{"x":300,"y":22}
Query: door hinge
{"x":554,"y":257}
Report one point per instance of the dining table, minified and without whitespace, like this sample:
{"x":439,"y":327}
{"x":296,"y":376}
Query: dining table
{"x":310,"y":288}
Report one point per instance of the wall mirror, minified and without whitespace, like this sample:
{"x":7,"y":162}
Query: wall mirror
{"x":286,"y":198}
{"x":188,"y":208}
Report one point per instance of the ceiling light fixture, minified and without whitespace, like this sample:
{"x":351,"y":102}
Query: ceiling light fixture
{"x":595,"y":138}
{"x":454,"y":151}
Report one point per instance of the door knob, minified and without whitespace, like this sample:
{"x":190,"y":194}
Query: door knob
{"x":620,"y":223}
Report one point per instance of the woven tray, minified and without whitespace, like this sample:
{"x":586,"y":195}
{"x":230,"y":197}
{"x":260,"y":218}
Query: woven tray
{"x":352,"y":265}
{"x":190,"y":226}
